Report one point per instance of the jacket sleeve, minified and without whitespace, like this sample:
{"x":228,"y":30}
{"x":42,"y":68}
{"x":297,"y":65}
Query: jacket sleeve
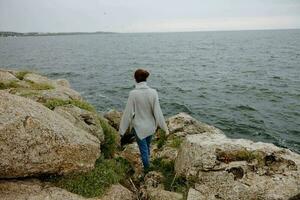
{"x":159,"y":117}
{"x":127,"y":115}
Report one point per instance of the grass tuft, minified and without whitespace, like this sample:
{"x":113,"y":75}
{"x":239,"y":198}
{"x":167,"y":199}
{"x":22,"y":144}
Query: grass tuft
{"x":40,"y":86}
{"x":239,"y":155}
{"x":52,"y":103}
{"x":110,"y":145}
{"x":20,"y":75}
{"x":11,"y":84}
{"x":161,"y":139}
{"x":176,"y":142}
{"x":95,"y":182}
{"x":171,"y":181}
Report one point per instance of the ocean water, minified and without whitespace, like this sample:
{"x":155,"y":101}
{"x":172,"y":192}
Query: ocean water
{"x":246,"y":83}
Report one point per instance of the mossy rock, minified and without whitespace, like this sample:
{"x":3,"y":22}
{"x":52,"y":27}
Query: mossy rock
{"x":95,"y":182}
{"x":52,"y":103}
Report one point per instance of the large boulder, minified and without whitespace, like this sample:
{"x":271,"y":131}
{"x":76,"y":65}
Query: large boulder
{"x":131,"y":153}
{"x":33,"y":190}
{"x":237,"y":168}
{"x":114,"y":118}
{"x":183,"y":124}
{"x":83,"y":119}
{"x":161,"y":194}
{"x":6,"y":77}
{"x":35,"y":140}
{"x":117,"y":192}
{"x":153,"y":188}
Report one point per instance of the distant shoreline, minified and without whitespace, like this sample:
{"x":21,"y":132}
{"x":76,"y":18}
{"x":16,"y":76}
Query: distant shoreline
{"x":19,"y":34}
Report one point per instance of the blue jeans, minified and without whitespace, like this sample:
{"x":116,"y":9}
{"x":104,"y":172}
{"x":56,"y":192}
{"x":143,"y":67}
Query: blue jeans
{"x":144,"y":146}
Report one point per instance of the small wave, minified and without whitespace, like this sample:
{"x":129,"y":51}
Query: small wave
{"x":177,"y":107}
{"x":244,"y":107}
{"x":62,"y":74}
{"x":276,"y":77}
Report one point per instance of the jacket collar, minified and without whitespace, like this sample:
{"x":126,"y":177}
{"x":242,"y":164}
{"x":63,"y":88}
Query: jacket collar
{"x":141,"y":85}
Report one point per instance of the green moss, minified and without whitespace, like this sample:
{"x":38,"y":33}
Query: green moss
{"x":11,"y":84}
{"x":20,"y":75}
{"x":240,"y":155}
{"x":110,"y":144}
{"x":161,"y":139}
{"x":29,"y":93}
{"x":32,"y":85}
{"x":83,"y":105}
{"x":171,"y":182}
{"x":40,"y":86}
{"x":52,"y":103}
{"x":95,"y":182}
{"x":176,"y":142}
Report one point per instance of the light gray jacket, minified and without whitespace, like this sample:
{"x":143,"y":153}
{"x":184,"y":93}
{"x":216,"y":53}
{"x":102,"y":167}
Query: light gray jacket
{"x":143,"y":112}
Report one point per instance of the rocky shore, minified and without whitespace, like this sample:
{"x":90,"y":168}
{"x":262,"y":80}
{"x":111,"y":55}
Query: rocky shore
{"x":54,"y":145}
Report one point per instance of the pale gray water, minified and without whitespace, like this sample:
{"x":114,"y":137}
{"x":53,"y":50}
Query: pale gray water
{"x":247,"y":83}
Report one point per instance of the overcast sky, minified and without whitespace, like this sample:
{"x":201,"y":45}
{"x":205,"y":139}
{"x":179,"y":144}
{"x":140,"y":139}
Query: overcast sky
{"x":147,"y":15}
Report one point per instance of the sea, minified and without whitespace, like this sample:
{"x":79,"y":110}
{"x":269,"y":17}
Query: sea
{"x":247,"y":83}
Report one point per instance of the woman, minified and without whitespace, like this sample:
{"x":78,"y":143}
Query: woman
{"x":144,"y":113}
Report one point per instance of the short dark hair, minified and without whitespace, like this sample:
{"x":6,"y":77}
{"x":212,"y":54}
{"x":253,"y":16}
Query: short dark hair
{"x":141,"y":75}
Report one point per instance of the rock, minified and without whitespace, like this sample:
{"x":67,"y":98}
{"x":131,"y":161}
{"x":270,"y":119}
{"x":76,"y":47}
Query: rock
{"x":183,"y":124}
{"x":154,"y":179}
{"x":61,"y":87}
{"x":167,"y":153}
{"x":118,"y":192}
{"x":62,"y":82}
{"x":153,"y":188}
{"x":82,"y":119}
{"x":238,"y":168}
{"x":195,"y":195}
{"x":36,"y":78}
{"x":35,"y":140}
{"x":6,"y":77}
{"x":64,"y":93}
{"x":114,"y":118}
{"x":33,"y":190}
{"x":131,"y":153}
{"x":160,"y":194}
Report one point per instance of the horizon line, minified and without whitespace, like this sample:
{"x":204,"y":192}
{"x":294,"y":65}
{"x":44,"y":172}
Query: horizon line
{"x":86,"y":32}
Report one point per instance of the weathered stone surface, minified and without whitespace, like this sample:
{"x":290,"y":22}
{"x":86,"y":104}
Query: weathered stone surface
{"x":62,"y":82}
{"x":160,"y":194}
{"x":154,"y":179}
{"x":131,"y":153}
{"x":61,"y":88}
{"x":237,"y":168}
{"x":83,"y":119}
{"x":195,"y":195}
{"x":6,"y":76}
{"x":35,"y":140}
{"x":61,"y":92}
{"x":168,"y":153}
{"x":36,"y":78}
{"x":118,"y":192}
{"x":183,"y":124}
{"x":114,"y":118}
{"x":33,"y":190}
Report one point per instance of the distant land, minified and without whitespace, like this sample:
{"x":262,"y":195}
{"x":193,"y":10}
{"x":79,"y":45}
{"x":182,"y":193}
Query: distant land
{"x":18,"y":34}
